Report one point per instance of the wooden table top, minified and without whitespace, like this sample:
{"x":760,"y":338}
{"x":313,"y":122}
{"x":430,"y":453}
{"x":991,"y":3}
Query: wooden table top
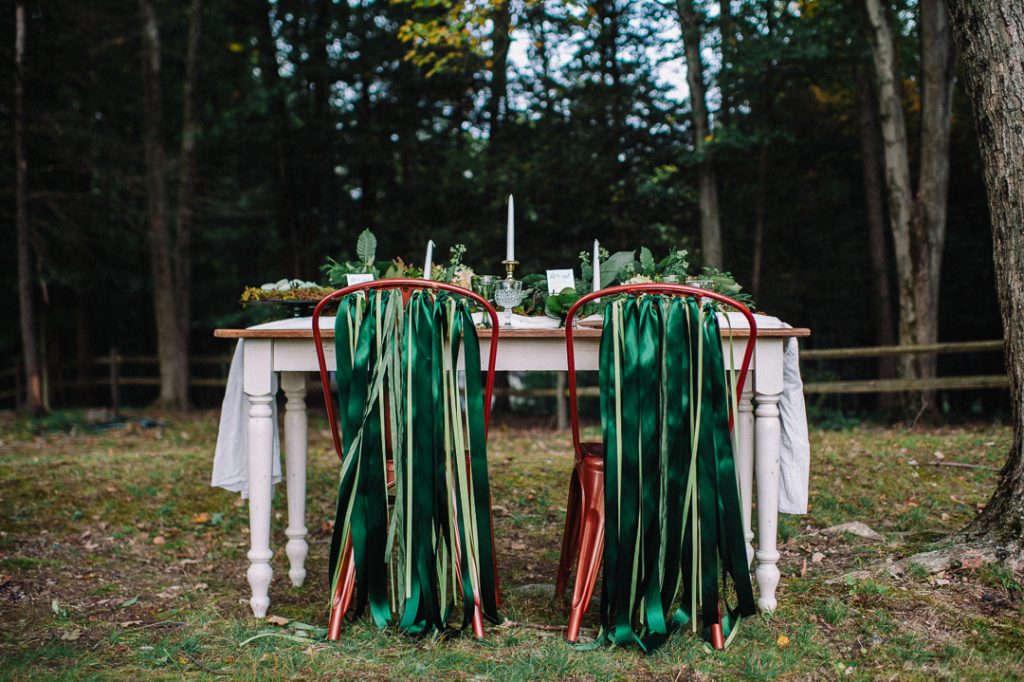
{"x":581,"y":332}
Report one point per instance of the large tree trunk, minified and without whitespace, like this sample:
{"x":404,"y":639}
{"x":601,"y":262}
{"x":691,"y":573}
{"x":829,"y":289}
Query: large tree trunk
{"x":187,"y":185}
{"x":871,"y":150}
{"x":918,"y":222}
{"x":497,"y":104}
{"x":990,"y":37}
{"x":171,"y":355}
{"x":707,"y":181}
{"x":26,"y":300}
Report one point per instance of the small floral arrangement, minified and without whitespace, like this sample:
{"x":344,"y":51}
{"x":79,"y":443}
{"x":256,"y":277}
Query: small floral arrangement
{"x":285,"y":290}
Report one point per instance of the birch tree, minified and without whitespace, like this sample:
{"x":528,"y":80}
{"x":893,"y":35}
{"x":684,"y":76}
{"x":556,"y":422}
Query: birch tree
{"x":917,"y":218}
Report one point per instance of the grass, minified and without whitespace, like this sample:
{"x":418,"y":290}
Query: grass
{"x":117,"y":560}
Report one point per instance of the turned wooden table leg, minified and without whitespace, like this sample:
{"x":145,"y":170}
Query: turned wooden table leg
{"x":257,"y":386}
{"x":296,"y":443}
{"x":745,"y":464}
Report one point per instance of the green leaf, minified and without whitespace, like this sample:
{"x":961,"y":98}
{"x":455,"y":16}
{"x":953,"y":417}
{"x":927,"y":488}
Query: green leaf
{"x":366,"y":247}
{"x":611,"y":269}
{"x":128,"y":602}
{"x":646,"y":260}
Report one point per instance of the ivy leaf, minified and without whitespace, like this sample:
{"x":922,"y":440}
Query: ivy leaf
{"x":366,"y":247}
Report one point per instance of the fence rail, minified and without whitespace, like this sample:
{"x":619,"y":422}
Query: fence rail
{"x":115,"y":379}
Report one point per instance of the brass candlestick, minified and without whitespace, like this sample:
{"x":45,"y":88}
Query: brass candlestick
{"x":510,"y":268}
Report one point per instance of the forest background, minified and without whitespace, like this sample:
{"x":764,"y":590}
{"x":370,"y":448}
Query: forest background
{"x":276,"y":131}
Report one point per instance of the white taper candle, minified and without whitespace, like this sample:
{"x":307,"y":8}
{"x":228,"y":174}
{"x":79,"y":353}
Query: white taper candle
{"x":429,"y":261}
{"x":597,"y":268}
{"x":510,"y":242}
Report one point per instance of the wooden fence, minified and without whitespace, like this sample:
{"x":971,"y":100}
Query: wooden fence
{"x":115,"y":377}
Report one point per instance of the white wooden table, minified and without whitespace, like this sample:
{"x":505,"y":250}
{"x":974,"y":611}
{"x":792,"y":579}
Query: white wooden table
{"x":291,"y":352}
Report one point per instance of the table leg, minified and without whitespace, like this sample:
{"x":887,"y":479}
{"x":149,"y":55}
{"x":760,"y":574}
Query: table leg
{"x":296,"y":442}
{"x":261,"y":434}
{"x":745,"y":464}
{"x":258,"y":388}
{"x":767,"y":444}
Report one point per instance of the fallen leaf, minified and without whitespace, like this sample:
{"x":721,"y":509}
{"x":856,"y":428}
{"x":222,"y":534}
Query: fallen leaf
{"x":803,"y":568}
{"x":71,"y":635}
{"x":170,"y":592}
{"x":817,"y":558}
{"x":130,"y":623}
{"x":277,"y":620}
{"x":128,"y":602}
{"x":159,"y":540}
{"x":202,"y":517}
{"x":201,"y":586}
{"x":518,"y":546}
{"x":782,"y":641}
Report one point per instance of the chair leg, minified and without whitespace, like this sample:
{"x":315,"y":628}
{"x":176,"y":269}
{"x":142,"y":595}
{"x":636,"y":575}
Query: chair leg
{"x":341,"y":600}
{"x":591,"y":543}
{"x":570,"y":536}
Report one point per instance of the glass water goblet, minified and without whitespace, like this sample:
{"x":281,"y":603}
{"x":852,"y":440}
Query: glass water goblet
{"x":508,"y":294}
{"x":484,"y":285}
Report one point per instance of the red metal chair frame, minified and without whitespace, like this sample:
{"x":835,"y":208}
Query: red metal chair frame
{"x":584,"y":513}
{"x":342,"y":598}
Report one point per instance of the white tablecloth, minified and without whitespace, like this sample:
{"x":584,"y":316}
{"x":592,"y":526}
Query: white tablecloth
{"x":231,"y":463}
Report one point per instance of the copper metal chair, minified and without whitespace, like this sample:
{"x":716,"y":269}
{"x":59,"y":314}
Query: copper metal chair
{"x":583,"y":537}
{"x":341,"y":601}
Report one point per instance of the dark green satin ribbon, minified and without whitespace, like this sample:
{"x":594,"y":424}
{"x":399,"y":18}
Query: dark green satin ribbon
{"x":387,"y":357}
{"x":653,"y":353}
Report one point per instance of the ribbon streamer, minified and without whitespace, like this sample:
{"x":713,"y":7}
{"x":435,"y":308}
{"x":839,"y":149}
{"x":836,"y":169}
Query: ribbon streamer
{"x":672,"y":510}
{"x":400,"y":399}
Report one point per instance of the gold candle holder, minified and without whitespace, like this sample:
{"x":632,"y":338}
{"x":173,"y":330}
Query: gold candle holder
{"x":510,"y":268}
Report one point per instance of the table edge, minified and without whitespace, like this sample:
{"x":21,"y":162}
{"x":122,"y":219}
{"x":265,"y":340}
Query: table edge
{"x":794,"y":332}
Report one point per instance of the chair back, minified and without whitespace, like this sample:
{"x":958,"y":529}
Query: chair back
{"x":407,"y":286}
{"x":650,"y":288}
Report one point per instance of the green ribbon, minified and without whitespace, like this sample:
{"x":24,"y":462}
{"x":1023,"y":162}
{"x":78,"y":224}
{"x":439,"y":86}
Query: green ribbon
{"x":407,"y":359}
{"x":672,"y":512}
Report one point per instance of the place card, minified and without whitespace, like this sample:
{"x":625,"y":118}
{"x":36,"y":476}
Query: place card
{"x":358,"y":278}
{"x":560,"y":279}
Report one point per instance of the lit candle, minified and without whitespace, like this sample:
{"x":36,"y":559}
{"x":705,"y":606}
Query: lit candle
{"x":430,"y":258}
{"x":597,"y":268}
{"x":510,"y":251}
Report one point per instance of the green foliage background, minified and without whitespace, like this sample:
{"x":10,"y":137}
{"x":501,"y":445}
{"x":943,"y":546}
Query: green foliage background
{"x":316,"y":125}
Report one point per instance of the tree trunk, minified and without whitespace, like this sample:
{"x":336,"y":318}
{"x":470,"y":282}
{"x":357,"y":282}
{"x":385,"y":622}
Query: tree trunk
{"x":918,"y":222}
{"x":170,"y":354}
{"x":990,"y":37}
{"x":707,"y":181}
{"x":870,"y":147}
{"x":26,"y":300}
{"x":760,"y":211}
{"x":497,"y":105}
{"x":187,"y":186}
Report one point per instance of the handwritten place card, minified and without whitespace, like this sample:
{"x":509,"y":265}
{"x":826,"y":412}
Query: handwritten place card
{"x":358,"y":278}
{"x":560,"y":279}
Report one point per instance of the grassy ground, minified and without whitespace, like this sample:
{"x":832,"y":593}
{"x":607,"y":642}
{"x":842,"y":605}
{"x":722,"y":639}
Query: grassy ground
{"x":117,"y":561}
